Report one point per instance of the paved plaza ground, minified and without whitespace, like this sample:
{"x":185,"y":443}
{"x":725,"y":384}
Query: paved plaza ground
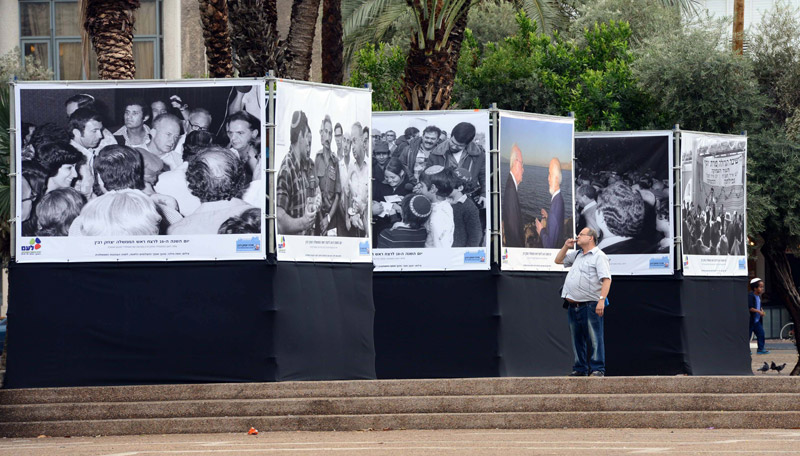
{"x":596,"y":442}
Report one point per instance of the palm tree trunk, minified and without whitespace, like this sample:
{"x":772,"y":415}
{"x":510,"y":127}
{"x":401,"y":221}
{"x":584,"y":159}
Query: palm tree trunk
{"x":254,"y":36}
{"x":109,"y":24}
{"x":214,"y":15}
{"x":431,"y":68}
{"x":332,"y":46}
{"x":784,"y":286}
{"x":301,"y":39}
{"x":738,"y":26}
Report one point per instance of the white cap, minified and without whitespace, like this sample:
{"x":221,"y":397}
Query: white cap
{"x":755,"y":280}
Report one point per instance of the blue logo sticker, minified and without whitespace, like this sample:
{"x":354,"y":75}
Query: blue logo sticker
{"x":363,"y":248}
{"x":248,"y":245}
{"x":475,"y":257}
{"x":742,"y":264}
{"x":659,"y":263}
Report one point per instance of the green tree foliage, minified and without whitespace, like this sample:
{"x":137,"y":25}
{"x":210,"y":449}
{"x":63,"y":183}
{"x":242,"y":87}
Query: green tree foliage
{"x":383,"y":67}
{"x":696,"y":81}
{"x":775,"y":51}
{"x":536,"y":73}
{"x":647,"y":18}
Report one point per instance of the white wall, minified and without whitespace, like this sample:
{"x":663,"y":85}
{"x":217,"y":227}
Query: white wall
{"x":753,"y":9}
{"x":9,"y":25}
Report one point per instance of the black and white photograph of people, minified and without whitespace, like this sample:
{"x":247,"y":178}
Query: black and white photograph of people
{"x":622,"y":191}
{"x":713,"y":208}
{"x":327,"y":193}
{"x":140,"y":161}
{"x":448,"y":170}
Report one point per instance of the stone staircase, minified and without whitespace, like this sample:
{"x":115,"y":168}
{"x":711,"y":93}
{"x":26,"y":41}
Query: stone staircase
{"x":509,"y":403}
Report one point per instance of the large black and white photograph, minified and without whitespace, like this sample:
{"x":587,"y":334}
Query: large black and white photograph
{"x":140,"y":171}
{"x":429,"y":190}
{"x":324,"y":170}
{"x":623,"y":191}
{"x":713,"y":204}
{"x":536,"y":210}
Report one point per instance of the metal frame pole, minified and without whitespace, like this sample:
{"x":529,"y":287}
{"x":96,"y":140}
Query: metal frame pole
{"x":13,"y":172}
{"x":270,"y":125}
{"x":677,"y":197}
{"x":494,"y":164}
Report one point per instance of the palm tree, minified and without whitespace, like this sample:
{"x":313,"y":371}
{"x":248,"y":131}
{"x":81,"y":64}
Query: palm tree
{"x":254,"y":36}
{"x":433,"y":55}
{"x":214,"y":15}
{"x":300,"y":40}
{"x":332,"y":55}
{"x":109,"y":25}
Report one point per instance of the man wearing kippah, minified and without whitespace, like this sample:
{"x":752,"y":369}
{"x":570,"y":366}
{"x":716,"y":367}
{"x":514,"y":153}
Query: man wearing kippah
{"x":757,"y":313}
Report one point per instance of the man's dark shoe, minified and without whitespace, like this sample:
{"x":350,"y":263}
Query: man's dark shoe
{"x":762,"y":352}
{"x":577,"y":374}
{"x":597,"y":374}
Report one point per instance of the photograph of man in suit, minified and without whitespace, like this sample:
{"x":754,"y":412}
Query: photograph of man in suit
{"x":552,"y":231}
{"x":513,"y":231}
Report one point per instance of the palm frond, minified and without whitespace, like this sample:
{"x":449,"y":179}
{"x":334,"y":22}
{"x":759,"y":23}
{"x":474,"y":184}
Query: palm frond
{"x":370,"y":23}
{"x":545,"y":13}
{"x":688,"y":7}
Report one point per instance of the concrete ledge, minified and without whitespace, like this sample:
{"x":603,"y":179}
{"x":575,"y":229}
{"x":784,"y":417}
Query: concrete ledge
{"x":742,"y":420}
{"x":379,"y":388}
{"x":399,"y":405}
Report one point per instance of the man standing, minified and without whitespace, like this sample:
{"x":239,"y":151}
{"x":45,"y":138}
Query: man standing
{"x":551,"y":234}
{"x":513,"y":234}
{"x":294,"y":198}
{"x":757,"y":313}
{"x":166,"y":132}
{"x":585,"y":290}
{"x":326,"y":168}
{"x":134,"y":133}
{"x":587,"y":203}
{"x":358,"y":184}
{"x":87,"y":132}
{"x":460,"y":151}
{"x":418,"y":149}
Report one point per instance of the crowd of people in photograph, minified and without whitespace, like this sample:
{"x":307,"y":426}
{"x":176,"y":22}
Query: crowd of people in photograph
{"x":711,"y":229}
{"x":161,"y":172}
{"x":629,"y":211}
{"x":428,"y":188}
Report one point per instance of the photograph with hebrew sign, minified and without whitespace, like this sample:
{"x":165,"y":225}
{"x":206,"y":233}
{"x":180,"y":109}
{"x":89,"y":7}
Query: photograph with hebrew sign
{"x":713,"y":204}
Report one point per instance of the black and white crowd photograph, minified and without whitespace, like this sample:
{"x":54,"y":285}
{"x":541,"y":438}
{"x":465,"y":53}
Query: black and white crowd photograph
{"x":713,"y":169}
{"x":141,"y":160}
{"x":324,"y":167}
{"x":623,"y":192}
{"x":429,"y":181}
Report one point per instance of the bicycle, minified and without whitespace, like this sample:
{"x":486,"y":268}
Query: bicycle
{"x":787,"y":332}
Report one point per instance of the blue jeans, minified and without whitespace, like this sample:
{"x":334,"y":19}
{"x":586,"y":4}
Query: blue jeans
{"x":587,"y":334}
{"x":758,"y":328}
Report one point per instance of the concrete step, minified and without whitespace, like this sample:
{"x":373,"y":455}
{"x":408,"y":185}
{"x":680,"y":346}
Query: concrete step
{"x":384,"y":388}
{"x":506,"y":420}
{"x":400,"y":405}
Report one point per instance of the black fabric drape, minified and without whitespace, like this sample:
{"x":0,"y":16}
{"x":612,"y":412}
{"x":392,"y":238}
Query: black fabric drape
{"x":436,"y":324}
{"x":137,"y":323}
{"x":324,"y":321}
{"x":717,"y":325}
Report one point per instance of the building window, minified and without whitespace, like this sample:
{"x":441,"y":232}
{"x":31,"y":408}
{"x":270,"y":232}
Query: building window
{"x":50,"y":32}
